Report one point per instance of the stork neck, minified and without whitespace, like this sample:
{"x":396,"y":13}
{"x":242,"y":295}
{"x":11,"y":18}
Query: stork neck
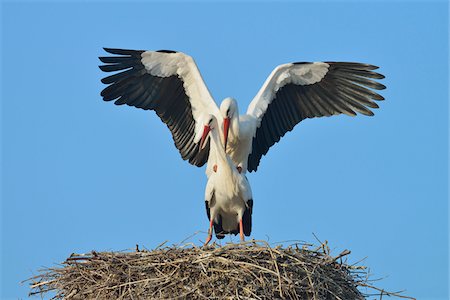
{"x":235,"y":125}
{"x":217,"y":144}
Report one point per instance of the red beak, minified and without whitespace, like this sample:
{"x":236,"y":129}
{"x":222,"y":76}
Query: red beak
{"x":206,"y":130}
{"x":226,"y":127}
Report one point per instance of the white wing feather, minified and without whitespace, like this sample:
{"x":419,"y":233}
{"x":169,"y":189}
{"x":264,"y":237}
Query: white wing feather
{"x":300,"y":74}
{"x":169,"y":64}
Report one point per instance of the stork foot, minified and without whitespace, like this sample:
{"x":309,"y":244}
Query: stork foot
{"x":208,"y":239}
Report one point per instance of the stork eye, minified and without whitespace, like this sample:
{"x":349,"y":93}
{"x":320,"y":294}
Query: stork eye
{"x":228,"y":111}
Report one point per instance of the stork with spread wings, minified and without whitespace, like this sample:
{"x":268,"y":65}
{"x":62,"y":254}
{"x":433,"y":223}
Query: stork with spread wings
{"x":170,"y":83}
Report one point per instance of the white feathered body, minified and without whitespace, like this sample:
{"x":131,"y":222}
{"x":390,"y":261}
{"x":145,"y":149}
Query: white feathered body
{"x":227,"y":191}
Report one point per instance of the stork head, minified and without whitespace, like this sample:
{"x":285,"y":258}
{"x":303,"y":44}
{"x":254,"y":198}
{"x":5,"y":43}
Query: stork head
{"x":228,"y":109}
{"x":209,"y":124}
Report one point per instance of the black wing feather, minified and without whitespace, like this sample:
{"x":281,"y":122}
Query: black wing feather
{"x":346,"y":88}
{"x":134,"y":86}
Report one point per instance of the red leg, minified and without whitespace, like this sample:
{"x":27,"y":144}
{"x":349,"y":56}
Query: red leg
{"x":241,"y":230}
{"x":208,"y":239}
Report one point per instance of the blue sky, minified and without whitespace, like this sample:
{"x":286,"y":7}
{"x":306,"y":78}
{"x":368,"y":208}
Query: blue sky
{"x":79,"y":174}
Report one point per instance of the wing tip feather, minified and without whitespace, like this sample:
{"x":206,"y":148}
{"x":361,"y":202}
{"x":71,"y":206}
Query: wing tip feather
{"x":119,"y":51}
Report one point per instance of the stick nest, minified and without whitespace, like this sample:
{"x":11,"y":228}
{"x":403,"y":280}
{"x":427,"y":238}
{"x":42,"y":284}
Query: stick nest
{"x":250,"y":270}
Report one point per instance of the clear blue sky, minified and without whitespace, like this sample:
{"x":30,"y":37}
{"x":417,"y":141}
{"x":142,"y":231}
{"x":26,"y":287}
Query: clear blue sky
{"x":80,"y":174}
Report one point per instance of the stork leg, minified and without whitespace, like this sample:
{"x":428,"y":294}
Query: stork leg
{"x":210,"y":230}
{"x":241,"y":230}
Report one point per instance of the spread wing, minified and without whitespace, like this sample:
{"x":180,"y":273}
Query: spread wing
{"x":167,"y":82}
{"x":297,"y":91}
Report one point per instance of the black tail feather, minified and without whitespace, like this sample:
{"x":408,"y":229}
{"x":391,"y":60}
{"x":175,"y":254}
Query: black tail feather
{"x":246,"y":221}
{"x":247,"y":218}
{"x":218,"y":229}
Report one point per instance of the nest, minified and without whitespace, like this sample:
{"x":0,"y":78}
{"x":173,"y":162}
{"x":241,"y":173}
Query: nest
{"x":250,"y":270}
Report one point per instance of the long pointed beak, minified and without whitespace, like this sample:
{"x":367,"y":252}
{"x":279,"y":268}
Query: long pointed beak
{"x":206,"y":130}
{"x":226,"y":128}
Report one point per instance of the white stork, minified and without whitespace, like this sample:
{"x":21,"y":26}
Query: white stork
{"x":228,"y":196}
{"x":170,"y":83}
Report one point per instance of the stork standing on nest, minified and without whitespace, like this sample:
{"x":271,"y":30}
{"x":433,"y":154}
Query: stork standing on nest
{"x":170,"y":83}
{"x":228,"y":196}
